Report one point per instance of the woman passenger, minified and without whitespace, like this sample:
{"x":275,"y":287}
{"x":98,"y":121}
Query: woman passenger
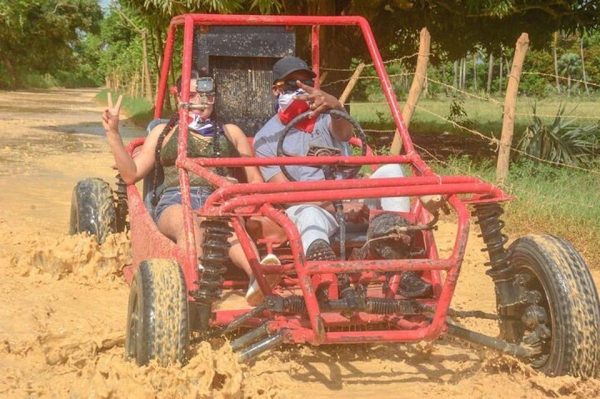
{"x":204,"y":140}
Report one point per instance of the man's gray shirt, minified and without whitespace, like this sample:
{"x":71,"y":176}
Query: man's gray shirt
{"x":297,"y":143}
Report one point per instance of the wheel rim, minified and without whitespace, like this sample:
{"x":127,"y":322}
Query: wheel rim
{"x":531,"y":282}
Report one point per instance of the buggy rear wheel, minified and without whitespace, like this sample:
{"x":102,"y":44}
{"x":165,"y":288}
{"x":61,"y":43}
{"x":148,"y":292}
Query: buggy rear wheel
{"x":93,"y":209}
{"x":564,"y":318}
{"x":157,"y":317}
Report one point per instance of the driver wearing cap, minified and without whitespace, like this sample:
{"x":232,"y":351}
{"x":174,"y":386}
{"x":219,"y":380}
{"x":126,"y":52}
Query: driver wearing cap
{"x":293,"y":87}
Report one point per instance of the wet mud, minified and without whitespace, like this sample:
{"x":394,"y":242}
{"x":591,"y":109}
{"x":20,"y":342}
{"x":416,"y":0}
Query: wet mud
{"x":64,"y":302}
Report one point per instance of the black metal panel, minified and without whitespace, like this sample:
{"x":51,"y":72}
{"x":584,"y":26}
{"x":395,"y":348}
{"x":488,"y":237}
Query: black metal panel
{"x":243,"y":41}
{"x":244,"y":91}
{"x":240,"y":59}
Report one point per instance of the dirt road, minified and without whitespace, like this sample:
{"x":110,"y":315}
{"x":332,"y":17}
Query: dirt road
{"x":64,"y":305}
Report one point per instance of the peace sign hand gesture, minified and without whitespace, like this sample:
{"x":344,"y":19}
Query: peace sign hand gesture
{"x":110,"y":116}
{"x":319,"y":100}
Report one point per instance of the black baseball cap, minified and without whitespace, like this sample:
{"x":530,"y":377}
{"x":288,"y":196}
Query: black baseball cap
{"x":289,"y":64}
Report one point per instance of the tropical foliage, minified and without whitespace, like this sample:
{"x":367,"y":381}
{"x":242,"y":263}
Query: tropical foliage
{"x":71,"y":39}
{"x":43,"y":36}
{"x":563,"y":141}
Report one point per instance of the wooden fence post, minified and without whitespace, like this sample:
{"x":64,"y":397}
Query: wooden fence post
{"x":510,"y":101}
{"x":415,"y":88}
{"x":352,"y":83}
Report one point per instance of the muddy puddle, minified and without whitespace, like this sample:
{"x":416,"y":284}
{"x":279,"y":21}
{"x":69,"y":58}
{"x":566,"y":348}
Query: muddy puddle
{"x":64,"y":302}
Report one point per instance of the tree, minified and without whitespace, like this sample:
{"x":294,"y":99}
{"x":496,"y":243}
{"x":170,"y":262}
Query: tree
{"x":568,"y":65}
{"x":39,"y":36}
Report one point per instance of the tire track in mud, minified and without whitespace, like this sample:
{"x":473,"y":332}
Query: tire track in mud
{"x":62,"y":323}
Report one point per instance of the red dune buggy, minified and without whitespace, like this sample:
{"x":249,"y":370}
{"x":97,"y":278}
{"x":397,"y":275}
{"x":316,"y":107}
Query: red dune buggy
{"x":547,"y":304}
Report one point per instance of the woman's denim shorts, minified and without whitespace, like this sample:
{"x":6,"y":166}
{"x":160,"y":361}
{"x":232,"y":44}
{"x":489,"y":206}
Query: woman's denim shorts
{"x":172,"y":196}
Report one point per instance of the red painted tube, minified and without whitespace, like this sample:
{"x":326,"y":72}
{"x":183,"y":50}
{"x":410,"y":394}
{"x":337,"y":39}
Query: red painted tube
{"x":164,"y":71}
{"x":184,"y":182}
{"x":302,"y":335}
{"x":386,"y":86}
{"x":212,"y":178}
{"x":332,"y":195}
{"x":458,"y":253}
{"x":324,"y":160}
{"x":250,"y":254}
{"x":225,"y":193}
{"x":315,"y":54}
{"x":232,"y":19}
{"x":377,"y":266}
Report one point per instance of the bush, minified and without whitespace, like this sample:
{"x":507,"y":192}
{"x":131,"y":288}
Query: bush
{"x":561,"y":142}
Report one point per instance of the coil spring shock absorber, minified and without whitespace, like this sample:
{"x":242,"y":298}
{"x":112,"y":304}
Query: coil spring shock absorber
{"x":294,"y":304}
{"x":488,"y":218}
{"x":214,"y":259}
{"x":501,"y":272}
{"x":121,"y":204}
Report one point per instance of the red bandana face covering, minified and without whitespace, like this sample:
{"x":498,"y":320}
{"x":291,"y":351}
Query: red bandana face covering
{"x":295,"y":108}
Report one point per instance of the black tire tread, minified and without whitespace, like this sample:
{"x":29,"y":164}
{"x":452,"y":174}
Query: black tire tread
{"x":165,"y":326}
{"x":576,"y":304}
{"x":93,"y":209}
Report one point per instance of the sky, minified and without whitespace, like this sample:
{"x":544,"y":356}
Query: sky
{"x":104,"y":3}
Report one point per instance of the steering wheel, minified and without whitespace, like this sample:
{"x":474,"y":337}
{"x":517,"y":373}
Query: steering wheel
{"x":350,"y":171}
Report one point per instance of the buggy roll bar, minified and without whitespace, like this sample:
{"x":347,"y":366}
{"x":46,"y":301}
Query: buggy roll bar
{"x":188,"y":21}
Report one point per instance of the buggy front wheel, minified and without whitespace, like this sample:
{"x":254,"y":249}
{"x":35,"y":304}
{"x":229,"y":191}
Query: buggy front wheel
{"x":157,"y":317}
{"x":562,"y":320}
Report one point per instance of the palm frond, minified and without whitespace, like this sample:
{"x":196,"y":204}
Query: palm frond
{"x":563,"y":141}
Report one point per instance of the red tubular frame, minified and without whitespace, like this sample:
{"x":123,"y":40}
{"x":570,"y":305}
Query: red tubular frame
{"x":234,"y":200}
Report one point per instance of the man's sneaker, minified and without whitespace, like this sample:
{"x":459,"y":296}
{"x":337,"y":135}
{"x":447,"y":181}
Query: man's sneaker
{"x":413,"y":286}
{"x":254,"y":296}
{"x":320,"y":250}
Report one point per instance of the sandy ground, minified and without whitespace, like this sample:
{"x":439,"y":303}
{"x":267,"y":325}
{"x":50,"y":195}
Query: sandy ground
{"x":64,"y":304}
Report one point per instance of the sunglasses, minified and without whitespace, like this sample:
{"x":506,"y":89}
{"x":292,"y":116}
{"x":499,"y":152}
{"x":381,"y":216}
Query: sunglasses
{"x":207,"y":98}
{"x":290,"y":85}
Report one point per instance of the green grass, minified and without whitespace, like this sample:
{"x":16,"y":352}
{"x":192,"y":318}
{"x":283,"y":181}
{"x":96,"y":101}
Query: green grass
{"x":548,"y":200}
{"x":139,"y":110}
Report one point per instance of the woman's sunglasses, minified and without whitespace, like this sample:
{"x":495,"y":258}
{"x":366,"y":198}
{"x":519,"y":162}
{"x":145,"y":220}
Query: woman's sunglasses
{"x":206,"y":98}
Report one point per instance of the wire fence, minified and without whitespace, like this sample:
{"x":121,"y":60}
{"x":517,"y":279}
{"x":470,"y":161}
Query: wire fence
{"x":480,"y":95}
{"x":492,"y":141}
{"x":392,"y":61}
{"x":392,"y":75}
{"x":549,"y":75}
